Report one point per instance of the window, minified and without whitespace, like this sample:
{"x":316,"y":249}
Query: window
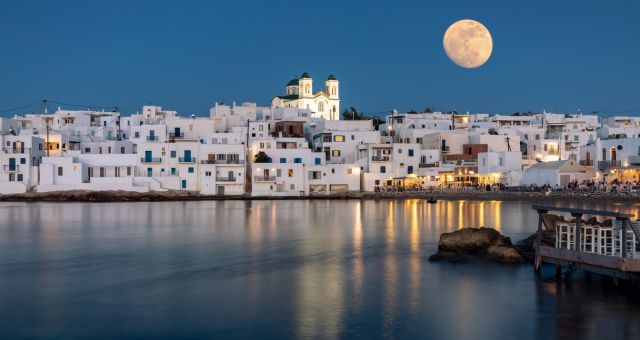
{"x":484,"y":162}
{"x":576,"y":138}
{"x":136,"y":134}
{"x":60,"y":171}
{"x":122,"y":149}
{"x":128,"y":171}
{"x":23,"y":160}
{"x":190,"y":170}
{"x":279,"y":173}
{"x":321,"y":106}
{"x":173,"y":154}
{"x":377,"y":182}
{"x":335,"y":153}
{"x":410,"y":169}
{"x":173,"y":171}
{"x":353,"y":137}
{"x":283,"y":160}
{"x":261,"y":145}
{"x":290,"y":172}
{"x":526,"y":137}
{"x":102,"y":172}
{"x":383,"y":169}
{"x":207,"y":173}
{"x":537,"y":137}
{"x":292,"y":186}
{"x":399,"y":150}
{"x":545,"y":147}
{"x":261,"y":128}
{"x":501,"y":161}
{"x":333,"y":170}
{"x":349,"y":171}
{"x":410,"y":152}
{"x":338,"y":138}
{"x":297,"y":160}
{"x":318,"y":161}
{"x":87,"y":150}
{"x":20,"y":177}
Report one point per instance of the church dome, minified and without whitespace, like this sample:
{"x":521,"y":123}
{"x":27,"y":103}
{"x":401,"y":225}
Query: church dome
{"x":331,"y":77}
{"x":293,"y":82}
{"x":305,"y":75}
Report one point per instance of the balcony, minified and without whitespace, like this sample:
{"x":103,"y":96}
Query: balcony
{"x":586,"y":162}
{"x":445,"y":148}
{"x":187,"y":159}
{"x":152,"y":138}
{"x":634,"y":160}
{"x":15,"y":168}
{"x":17,"y":150}
{"x":222,"y":161}
{"x":225,"y":179}
{"x":151,"y":160}
{"x":427,"y":165}
{"x":380,"y":158}
{"x":173,"y":136}
{"x":264,"y":178}
{"x":604,"y":165}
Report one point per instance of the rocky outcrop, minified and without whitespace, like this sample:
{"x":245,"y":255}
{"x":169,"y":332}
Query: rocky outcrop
{"x":462,"y":244}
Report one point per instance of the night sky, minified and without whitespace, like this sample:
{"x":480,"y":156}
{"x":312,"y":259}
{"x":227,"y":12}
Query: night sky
{"x":185,"y":55}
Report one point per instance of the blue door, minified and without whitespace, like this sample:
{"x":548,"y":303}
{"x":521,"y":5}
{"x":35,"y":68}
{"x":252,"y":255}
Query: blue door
{"x":147,"y":156}
{"x":184,"y":184}
{"x":187,"y":155}
{"x":176,"y":132}
{"x":410,"y":169}
{"x":12,"y":164}
{"x":152,"y":135}
{"x":149,"y":172}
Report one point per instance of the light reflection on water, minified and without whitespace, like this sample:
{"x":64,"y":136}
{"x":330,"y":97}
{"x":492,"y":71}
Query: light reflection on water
{"x":283,"y":269}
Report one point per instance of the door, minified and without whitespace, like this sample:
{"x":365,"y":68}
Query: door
{"x":231,"y":177}
{"x":176,"y":132}
{"x":187,"y":155}
{"x":149,"y":172}
{"x":147,"y":156}
{"x":220,"y":190}
{"x":184,"y":184}
{"x":12,"y":164}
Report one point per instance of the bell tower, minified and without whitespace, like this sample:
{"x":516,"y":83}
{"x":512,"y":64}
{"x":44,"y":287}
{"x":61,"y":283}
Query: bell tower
{"x":305,"y":86}
{"x":332,"y":87}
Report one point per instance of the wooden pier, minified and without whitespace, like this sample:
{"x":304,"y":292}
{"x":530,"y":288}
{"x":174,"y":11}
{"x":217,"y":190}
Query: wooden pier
{"x":620,"y":264}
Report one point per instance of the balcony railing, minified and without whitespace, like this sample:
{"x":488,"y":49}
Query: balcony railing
{"x":225,"y":179}
{"x":16,"y":150}
{"x":604,"y":165}
{"x":173,"y":136}
{"x":427,"y":165}
{"x":14,"y":168}
{"x":264,"y":178}
{"x":586,"y":162}
{"x":221,"y":161}
{"x":634,"y":160}
{"x":187,"y":159}
{"x":380,"y":158}
{"x":152,"y":138}
{"x":151,"y":160}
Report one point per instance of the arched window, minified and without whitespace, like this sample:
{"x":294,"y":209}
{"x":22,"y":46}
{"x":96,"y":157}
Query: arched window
{"x":307,"y":89}
{"x":320,"y":106}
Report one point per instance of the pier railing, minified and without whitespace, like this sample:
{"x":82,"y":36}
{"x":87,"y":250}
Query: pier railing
{"x":607,"y":250}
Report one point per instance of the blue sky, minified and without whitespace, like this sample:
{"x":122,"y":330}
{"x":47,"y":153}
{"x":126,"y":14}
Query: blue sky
{"x":185,"y":55}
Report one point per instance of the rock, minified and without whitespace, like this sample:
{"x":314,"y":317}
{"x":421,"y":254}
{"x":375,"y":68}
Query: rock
{"x":550,"y":220}
{"x":458,"y":245}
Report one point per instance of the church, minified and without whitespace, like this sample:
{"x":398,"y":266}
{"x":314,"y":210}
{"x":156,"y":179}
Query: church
{"x":299,"y":93}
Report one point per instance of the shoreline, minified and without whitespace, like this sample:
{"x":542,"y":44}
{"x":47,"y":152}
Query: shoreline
{"x":127,"y":196}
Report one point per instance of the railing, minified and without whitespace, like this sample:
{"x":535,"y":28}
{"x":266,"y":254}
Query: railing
{"x":264,"y":178}
{"x":586,"y":162}
{"x":152,"y":138}
{"x":16,"y":150}
{"x":427,"y":165}
{"x":8,"y":168}
{"x":380,"y":158}
{"x":603,"y":165}
{"x":225,"y":179}
{"x":151,"y":160}
{"x":173,"y":136}
{"x":187,"y":159}
{"x":445,"y":148}
{"x":221,"y":161}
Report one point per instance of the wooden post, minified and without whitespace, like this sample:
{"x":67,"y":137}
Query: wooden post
{"x":538,"y":260}
{"x":578,"y":231}
{"x":623,"y":246}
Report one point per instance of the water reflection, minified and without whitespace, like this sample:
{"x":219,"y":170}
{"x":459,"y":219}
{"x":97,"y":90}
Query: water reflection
{"x":283,"y":269}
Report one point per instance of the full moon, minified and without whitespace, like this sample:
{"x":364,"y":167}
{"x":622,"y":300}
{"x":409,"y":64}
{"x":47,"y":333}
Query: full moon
{"x":468,"y":43}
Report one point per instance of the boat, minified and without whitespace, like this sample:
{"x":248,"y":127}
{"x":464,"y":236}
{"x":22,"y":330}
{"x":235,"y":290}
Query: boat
{"x":432,"y":200}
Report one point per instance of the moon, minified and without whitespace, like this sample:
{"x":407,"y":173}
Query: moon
{"x":468,"y":43}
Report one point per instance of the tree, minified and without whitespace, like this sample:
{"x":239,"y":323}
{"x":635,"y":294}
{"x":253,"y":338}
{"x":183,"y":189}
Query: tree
{"x":428,"y":110}
{"x":262,"y":157}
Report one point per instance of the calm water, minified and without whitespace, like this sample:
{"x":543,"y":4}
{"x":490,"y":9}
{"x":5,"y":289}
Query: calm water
{"x":284,"y":269}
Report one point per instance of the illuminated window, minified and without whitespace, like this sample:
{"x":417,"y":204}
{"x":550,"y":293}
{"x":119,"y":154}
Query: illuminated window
{"x":290,"y":172}
{"x":338,"y":138}
{"x":335,"y":153}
